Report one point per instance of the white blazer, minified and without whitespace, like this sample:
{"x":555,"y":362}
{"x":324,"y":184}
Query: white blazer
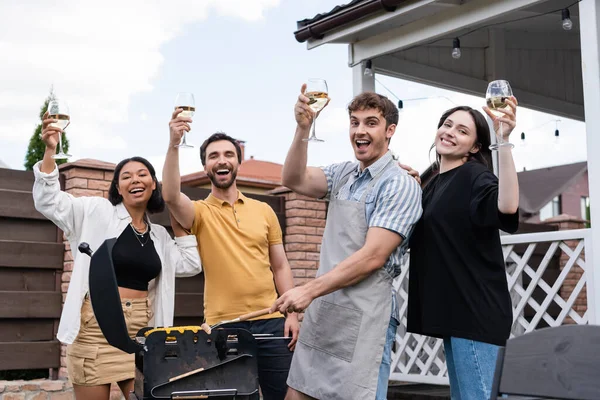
{"x":93,"y":220}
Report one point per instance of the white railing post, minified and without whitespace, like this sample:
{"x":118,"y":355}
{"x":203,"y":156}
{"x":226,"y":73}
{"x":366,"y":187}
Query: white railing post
{"x":589,"y":17}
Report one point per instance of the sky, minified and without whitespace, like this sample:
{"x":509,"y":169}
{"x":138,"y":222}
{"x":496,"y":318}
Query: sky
{"x":120,"y":64}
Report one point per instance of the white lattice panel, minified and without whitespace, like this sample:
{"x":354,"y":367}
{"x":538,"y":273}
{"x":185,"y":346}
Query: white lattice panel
{"x":539,"y":266}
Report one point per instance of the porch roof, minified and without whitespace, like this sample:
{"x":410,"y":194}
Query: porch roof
{"x":521,"y":41}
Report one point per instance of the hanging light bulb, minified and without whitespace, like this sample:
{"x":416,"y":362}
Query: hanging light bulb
{"x":400,"y":104}
{"x":556,"y":134}
{"x":567,"y":24}
{"x":369,"y":68}
{"x":456,"y":49}
{"x":523,"y":139}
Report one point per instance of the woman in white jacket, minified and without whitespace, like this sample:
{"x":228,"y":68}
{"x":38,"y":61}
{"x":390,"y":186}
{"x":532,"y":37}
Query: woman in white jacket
{"x":146,"y":262}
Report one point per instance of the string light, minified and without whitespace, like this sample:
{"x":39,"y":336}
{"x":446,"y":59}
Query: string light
{"x":369,"y":68}
{"x":567,"y":24}
{"x":456,"y":53}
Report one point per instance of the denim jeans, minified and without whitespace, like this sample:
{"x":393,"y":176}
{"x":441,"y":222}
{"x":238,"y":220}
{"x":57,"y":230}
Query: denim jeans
{"x":471,"y":367}
{"x":386,"y":360}
{"x":274,"y":357}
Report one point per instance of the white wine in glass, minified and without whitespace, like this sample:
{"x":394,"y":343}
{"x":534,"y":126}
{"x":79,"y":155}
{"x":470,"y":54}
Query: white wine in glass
{"x":58,"y":109}
{"x":496,"y":95}
{"x":316,"y":91}
{"x":186,"y":102}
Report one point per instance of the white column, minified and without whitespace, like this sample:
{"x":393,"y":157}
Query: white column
{"x":589,"y":17}
{"x":360,"y":82}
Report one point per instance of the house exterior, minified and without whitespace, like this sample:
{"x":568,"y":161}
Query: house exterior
{"x":548,"y":192}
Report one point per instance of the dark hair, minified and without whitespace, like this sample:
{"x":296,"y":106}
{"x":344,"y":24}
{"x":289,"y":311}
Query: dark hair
{"x":371,"y":100}
{"x":156,"y":203}
{"x":482,"y":129}
{"x":215,"y":137}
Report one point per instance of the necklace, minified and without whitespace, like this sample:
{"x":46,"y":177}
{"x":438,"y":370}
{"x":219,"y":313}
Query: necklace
{"x":140,"y":235}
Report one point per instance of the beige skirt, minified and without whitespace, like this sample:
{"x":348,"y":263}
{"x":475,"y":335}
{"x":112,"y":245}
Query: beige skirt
{"x":91,"y":360}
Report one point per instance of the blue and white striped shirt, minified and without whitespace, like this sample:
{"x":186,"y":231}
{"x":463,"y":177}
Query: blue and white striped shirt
{"x":394,"y":203}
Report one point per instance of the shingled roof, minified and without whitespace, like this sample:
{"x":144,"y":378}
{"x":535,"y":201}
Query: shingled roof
{"x":317,"y":26}
{"x":539,"y":186}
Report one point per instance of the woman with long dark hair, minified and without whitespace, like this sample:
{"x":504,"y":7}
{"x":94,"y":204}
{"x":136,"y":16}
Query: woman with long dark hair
{"x":146,"y":262}
{"x":457,"y":283}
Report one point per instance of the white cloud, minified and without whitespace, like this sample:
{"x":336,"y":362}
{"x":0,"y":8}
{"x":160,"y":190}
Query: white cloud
{"x":97,"y":55}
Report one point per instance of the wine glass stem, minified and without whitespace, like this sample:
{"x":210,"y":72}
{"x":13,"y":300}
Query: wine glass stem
{"x":183,"y":143}
{"x":314,"y":125}
{"x":60,"y":149}
{"x":500,"y":136}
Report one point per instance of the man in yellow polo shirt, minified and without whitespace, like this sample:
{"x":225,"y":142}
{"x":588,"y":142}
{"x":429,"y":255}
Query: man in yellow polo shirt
{"x":241,"y":249}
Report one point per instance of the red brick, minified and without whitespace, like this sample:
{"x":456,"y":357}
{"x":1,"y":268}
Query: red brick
{"x":68,"y":256}
{"x":108,"y":175}
{"x":313,"y":239}
{"x":316,"y":205}
{"x":321,"y":214}
{"x":302,"y":264}
{"x":296,"y":196}
{"x":64,"y":287}
{"x":13,"y":396}
{"x":67,"y":246}
{"x":30,"y":387}
{"x":313,"y":256}
{"x":62,"y":372}
{"x":311,"y":273}
{"x":315,"y":222}
{"x":296,"y":255}
{"x":297,"y":212}
{"x":81,"y":183}
{"x":295,"y":204}
{"x":62,"y":396}
{"x":85,"y":192}
{"x":320,"y":231}
{"x":300,"y":281}
{"x":300,"y":273}
{"x":68,"y":266}
{"x":295,"y":221}
{"x":66,"y":277}
{"x":39,"y":396}
{"x":295,"y":238}
{"x":309,"y":230}
{"x":101,"y":185}
{"x":300,"y":247}
{"x":52,"y":386}
{"x":84,"y":173}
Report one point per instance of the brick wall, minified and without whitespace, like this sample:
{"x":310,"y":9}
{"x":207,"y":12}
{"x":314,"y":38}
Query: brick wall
{"x":571,"y":198}
{"x":305,"y":223}
{"x":36,"y":390}
{"x":567,"y":222}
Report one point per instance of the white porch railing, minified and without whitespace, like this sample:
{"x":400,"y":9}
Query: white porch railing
{"x":549,"y":285}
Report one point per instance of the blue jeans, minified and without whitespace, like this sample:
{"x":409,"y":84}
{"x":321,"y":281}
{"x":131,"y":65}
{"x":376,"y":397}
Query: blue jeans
{"x":471,"y":367}
{"x":386,"y":360}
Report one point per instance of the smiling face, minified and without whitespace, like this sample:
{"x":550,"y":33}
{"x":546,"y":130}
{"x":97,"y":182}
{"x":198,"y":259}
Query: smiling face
{"x":221,"y":163}
{"x":457,"y":136}
{"x":369,"y":135}
{"x":135,"y":184}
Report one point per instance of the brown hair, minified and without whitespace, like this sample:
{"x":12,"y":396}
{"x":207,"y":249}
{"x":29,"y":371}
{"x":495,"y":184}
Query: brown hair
{"x":371,"y":100}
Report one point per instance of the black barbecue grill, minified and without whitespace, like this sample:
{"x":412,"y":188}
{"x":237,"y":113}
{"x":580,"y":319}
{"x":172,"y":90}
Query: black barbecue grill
{"x":174,"y":362}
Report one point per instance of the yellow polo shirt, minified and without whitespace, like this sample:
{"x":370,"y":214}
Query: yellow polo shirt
{"x":234,"y":242}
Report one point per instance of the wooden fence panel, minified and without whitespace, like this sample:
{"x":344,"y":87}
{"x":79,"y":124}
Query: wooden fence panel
{"x":25,"y":355}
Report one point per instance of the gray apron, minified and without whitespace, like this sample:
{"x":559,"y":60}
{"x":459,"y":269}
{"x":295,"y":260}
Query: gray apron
{"x":342,"y":337}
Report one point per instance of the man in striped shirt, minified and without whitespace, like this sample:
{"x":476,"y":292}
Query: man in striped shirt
{"x":344,"y":348}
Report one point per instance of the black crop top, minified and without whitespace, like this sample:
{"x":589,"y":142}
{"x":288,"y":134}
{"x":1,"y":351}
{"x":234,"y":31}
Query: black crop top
{"x":135,"y":265}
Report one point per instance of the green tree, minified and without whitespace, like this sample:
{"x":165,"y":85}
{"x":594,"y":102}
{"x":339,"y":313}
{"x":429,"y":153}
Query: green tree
{"x":35,"y":150}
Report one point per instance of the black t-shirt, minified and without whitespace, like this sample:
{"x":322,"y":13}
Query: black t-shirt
{"x":135,"y":265}
{"x":457,"y":284}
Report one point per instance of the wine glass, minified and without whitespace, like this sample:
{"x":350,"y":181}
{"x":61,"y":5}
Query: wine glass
{"x":496,"y":95}
{"x":185,"y":101}
{"x":316,"y":91}
{"x":59,"y":110}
